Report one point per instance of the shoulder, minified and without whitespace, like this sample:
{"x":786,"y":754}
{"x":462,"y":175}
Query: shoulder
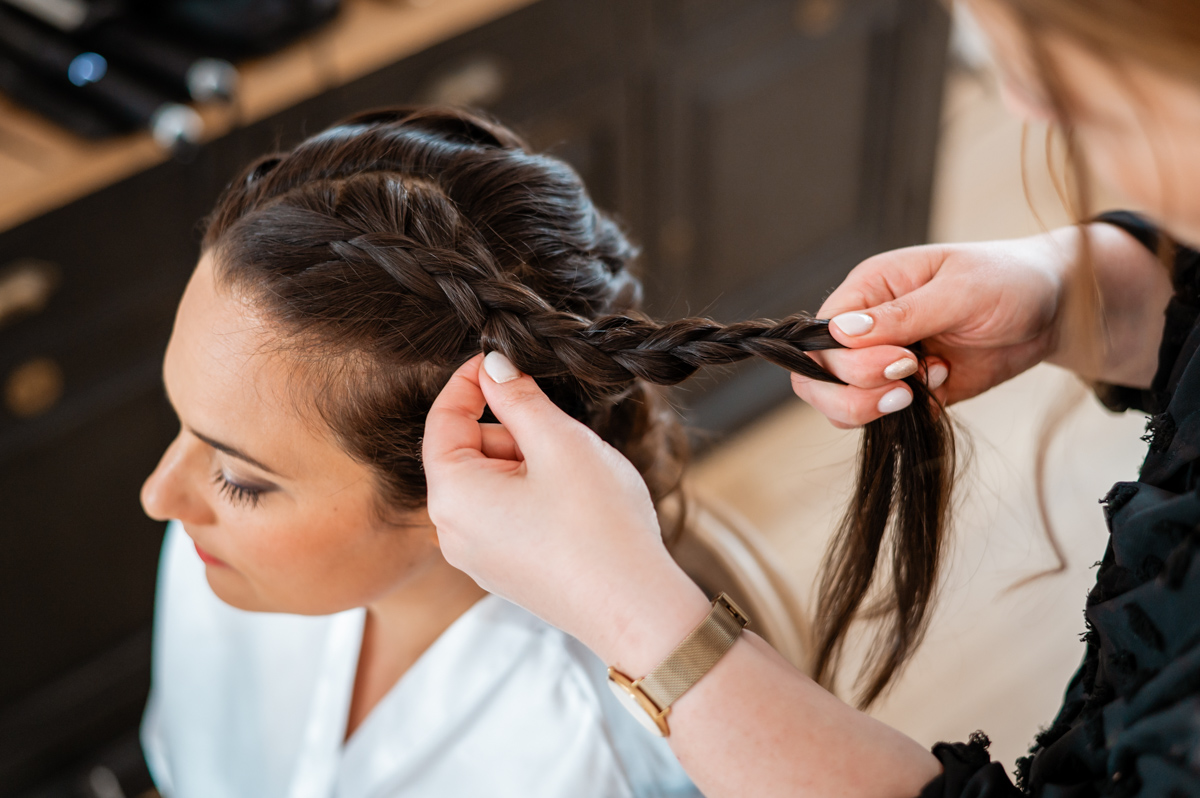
{"x":526,"y":706}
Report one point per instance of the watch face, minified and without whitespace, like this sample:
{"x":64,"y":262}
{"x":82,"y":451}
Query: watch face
{"x":630,"y":703}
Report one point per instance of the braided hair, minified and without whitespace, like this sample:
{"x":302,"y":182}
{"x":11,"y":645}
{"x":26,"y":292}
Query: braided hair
{"x":396,"y":245}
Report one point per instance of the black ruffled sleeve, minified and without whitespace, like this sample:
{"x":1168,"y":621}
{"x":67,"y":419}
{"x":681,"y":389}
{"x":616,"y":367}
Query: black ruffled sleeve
{"x":1181,"y":316}
{"x":968,"y":771}
{"x":1129,"y":725}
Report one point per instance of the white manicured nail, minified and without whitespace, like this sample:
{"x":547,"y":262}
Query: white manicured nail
{"x":500,"y":368}
{"x":893,"y":400}
{"x":905,"y":367}
{"x":937,"y":376}
{"x":854,"y":323}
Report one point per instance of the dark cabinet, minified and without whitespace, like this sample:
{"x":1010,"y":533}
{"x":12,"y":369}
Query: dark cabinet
{"x":776,"y":165}
{"x":757,"y":149}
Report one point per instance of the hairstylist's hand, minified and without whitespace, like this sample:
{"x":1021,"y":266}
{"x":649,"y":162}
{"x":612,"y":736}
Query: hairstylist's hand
{"x":984,"y":312}
{"x":544,"y":513}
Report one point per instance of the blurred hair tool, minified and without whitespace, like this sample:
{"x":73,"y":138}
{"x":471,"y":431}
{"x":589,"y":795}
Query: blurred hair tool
{"x":186,"y":74}
{"x":70,"y":15}
{"x":237,"y":28}
{"x":87,"y":74}
{"x":104,"y":27}
{"x":38,"y":94}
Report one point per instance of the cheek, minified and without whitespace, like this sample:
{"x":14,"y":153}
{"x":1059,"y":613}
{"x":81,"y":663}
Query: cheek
{"x":1127,"y":166}
{"x":1157,"y":180}
{"x":314,"y":562}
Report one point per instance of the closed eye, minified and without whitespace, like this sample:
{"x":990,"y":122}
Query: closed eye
{"x":236,"y":494}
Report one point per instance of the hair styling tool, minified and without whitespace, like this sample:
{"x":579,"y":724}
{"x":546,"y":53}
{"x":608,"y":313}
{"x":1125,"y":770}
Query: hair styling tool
{"x":184,"y":73}
{"x":89,"y":76}
{"x":36,"y":93}
{"x":70,"y":15}
{"x":236,"y":28}
{"x":120,"y":39}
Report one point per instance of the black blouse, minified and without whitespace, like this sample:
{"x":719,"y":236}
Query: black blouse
{"x":1130,"y":720}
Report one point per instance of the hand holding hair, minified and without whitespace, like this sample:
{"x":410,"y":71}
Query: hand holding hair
{"x":569,"y":533}
{"x":574,"y":538}
{"x":987,"y":312}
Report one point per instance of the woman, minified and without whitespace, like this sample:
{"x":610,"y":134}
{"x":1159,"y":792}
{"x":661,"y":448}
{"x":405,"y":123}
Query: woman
{"x":311,"y":341}
{"x":1123,"y":77}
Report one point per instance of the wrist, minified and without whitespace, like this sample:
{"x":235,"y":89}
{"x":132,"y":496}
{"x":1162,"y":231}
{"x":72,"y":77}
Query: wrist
{"x":644,"y":621}
{"x":1111,"y":318}
{"x":1074,"y":340}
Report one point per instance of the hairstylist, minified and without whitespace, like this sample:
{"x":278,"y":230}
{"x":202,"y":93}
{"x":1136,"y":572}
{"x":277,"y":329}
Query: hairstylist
{"x":1124,"y":77}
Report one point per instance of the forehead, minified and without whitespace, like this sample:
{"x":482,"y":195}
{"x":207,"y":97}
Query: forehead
{"x":230,"y":379}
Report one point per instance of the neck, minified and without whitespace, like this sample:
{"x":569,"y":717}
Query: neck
{"x":430,"y":599}
{"x":401,"y":625}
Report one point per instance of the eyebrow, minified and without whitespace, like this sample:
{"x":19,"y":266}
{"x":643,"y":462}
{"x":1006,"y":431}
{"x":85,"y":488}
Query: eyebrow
{"x":232,"y":452}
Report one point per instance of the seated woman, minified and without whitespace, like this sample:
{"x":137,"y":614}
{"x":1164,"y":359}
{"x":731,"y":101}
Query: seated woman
{"x":310,"y":639}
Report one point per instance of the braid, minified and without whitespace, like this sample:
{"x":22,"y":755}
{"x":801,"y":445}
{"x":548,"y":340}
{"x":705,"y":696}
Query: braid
{"x":392,"y":248}
{"x":605,"y":352}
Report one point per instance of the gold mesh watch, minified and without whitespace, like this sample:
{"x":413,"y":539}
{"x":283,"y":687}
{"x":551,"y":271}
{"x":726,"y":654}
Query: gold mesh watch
{"x":649,"y":698}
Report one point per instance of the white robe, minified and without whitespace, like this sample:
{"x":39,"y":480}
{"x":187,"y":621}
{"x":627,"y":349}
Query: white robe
{"x":255,"y":705}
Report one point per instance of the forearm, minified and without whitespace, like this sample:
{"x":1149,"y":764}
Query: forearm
{"x":1115,"y":340}
{"x":754,"y":725}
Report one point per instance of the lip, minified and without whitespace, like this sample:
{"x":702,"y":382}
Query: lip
{"x":207,"y":558}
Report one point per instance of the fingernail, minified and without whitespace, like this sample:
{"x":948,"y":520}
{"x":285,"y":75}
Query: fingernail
{"x":902,"y":368}
{"x":500,"y":368}
{"x":893,"y":400}
{"x":936,"y":376}
{"x":854,"y":323}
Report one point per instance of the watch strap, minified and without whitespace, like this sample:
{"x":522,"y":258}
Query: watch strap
{"x":696,"y":654}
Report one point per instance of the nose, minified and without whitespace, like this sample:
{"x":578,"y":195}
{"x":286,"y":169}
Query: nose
{"x":172,"y":489}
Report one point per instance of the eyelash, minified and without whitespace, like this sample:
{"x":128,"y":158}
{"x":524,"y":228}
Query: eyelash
{"x":235,"y":493}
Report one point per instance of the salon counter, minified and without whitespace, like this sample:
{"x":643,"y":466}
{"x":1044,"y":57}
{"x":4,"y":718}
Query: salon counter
{"x":43,"y":166}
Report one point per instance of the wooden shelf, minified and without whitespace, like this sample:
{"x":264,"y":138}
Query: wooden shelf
{"x":43,"y":166}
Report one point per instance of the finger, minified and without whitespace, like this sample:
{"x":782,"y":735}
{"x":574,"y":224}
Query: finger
{"x":935,"y":373}
{"x":535,"y":423}
{"x":498,"y":444}
{"x":850,"y":406}
{"x":452,"y":427}
{"x":903,"y":321}
{"x":893,"y":298}
{"x":869,"y":368}
{"x":884,"y":277}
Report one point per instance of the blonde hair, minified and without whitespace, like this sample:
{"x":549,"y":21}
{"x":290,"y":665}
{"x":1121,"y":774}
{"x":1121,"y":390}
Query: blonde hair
{"x":1162,"y":34}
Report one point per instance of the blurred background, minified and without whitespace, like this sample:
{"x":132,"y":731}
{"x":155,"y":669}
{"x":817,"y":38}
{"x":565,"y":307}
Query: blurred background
{"x":758,"y":149}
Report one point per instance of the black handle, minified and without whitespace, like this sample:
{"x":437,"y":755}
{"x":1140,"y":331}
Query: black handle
{"x":186,"y":73}
{"x":89,"y":75}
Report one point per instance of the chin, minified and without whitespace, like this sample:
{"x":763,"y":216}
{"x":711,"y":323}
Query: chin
{"x":234,"y":590}
{"x":241,"y":594}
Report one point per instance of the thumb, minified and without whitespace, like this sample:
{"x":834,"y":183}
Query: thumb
{"x":535,"y":423}
{"x":902,"y":321}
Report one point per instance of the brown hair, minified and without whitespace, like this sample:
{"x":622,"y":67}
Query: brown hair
{"x":396,"y":245}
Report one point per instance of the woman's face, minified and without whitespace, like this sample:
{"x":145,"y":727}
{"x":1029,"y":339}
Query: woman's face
{"x":284,"y":520}
{"x":1138,"y":126}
